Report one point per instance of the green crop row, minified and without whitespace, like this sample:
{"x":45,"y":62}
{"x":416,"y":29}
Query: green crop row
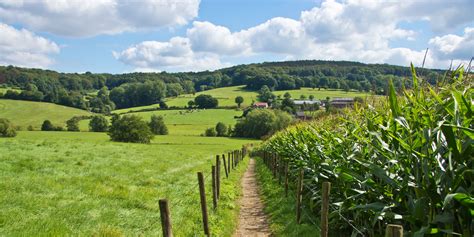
{"x":408,"y":161}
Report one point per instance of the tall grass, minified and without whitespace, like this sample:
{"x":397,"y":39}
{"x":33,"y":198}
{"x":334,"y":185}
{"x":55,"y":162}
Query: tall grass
{"x":409,"y":161}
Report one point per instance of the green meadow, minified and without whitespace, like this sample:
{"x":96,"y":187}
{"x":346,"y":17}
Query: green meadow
{"x":80,"y":183}
{"x":25,"y":113}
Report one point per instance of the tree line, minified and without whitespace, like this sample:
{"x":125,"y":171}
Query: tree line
{"x":138,"y":89}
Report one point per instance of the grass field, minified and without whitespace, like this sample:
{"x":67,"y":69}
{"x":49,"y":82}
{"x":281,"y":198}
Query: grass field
{"x":226,"y":96}
{"x":24,"y":113}
{"x":3,"y":90}
{"x":76,"y":183}
{"x":185,"y":122}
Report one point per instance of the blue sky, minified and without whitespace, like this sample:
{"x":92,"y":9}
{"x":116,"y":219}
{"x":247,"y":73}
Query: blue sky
{"x":119,"y":36}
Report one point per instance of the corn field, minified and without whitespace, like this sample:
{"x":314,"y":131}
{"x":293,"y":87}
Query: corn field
{"x":408,"y":160}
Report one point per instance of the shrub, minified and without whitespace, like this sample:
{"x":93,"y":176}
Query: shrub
{"x":262,"y":122}
{"x":130,"y":128}
{"x":205,"y":102}
{"x":98,"y":123}
{"x":210,"y":132}
{"x":221,"y":129}
{"x":73,"y":125}
{"x":47,"y":126}
{"x":157,"y":125}
{"x":6,"y":128}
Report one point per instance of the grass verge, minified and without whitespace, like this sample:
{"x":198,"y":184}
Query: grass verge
{"x":282,"y":210}
{"x":224,"y":220}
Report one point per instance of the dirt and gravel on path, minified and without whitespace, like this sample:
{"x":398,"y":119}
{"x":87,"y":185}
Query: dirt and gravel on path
{"x":252,"y":218}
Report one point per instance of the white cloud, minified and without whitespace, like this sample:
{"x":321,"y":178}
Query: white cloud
{"x":175,"y":55}
{"x":356,"y":30}
{"x":207,"y":37}
{"x":93,"y":17}
{"x":24,"y":48}
{"x":453,"y":46}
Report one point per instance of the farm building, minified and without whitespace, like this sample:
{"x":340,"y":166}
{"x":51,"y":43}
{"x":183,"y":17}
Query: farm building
{"x":342,"y":102}
{"x":308,"y":102}
{"x":263,"y":105}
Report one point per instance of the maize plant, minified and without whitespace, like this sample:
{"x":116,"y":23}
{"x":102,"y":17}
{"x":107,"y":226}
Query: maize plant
{"x":408,"y":161}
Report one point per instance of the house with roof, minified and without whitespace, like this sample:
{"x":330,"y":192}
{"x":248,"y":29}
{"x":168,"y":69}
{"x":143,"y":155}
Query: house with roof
{"x":342,"y":102}
{"x":262,"y":105}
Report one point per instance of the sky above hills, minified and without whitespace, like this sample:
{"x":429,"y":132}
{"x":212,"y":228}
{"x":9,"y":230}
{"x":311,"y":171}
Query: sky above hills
{"x":190,"y":35}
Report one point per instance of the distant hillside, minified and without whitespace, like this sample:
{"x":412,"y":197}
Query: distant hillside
{"x":26,"y":113}
{"x":138,"y":89}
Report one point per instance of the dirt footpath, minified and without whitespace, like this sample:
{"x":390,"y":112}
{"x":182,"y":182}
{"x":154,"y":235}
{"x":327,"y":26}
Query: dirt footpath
{"x":252,"y":218}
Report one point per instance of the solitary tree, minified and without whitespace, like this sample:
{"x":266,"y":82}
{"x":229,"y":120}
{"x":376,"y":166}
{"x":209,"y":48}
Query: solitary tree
{"x":157,"y":125}
{"x":311,"y":97}
{"x":191,"y":104}
{"x":239,"y":100}
{"x":221,"y":129}
{"x":265,"y":94}
{"x":73,"y":125}
{"x":327,"y":104}
{"x":47,"y":126}
{"x":6,"y":128}
{"x":130,"y":128}
{"x":98,"y":123}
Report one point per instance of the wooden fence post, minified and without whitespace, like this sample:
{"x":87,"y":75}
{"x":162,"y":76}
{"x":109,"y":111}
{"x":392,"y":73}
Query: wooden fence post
{"x":225,"y":166}
{"x":299,"y":195}
{"x":202,"y":194}
{"x":165,"y":218}
{"x":214,"y":187}
{"x":218,"y":176}
{"x":325,"y":209}
{"x":228,"y":163}
{"x":394,"y":231}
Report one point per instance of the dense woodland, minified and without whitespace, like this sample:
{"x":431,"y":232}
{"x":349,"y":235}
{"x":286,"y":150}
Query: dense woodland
{"x":137,"y":89}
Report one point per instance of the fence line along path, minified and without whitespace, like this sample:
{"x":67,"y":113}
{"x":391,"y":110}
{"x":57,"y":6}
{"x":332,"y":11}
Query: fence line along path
{"x":252,"y":218}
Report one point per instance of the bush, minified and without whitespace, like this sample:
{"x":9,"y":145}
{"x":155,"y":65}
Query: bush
{"x":210,"y":132}
{"x":262,"y":122}
{"x":6,"y":128}
{"x":98,"y":124}
{"x":157,"y":125}
{"x":73,"y":125}
{"x":130,"y":128}
{"x":47,"y":126}
{"x":221,"y":129}
{"x":205,"y":102}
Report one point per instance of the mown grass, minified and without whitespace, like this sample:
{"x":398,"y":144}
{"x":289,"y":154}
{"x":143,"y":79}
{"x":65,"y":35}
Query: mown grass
{"x":226,"y":96}
{"x":76,"y":183}
{"x":281,"y":209}
{"x":25,"y":113}
{"x":185,"y":122}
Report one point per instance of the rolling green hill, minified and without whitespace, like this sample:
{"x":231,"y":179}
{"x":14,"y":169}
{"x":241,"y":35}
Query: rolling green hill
{"x":25,"y":113}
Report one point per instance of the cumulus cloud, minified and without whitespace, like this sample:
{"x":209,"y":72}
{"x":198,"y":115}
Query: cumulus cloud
{"x":24,"y":48}
{"x":174,"y":55}
{"x":454,"y":46}
{"x":207,"y":37}
{"x":93,"y":17}
{"x":356,"y":30}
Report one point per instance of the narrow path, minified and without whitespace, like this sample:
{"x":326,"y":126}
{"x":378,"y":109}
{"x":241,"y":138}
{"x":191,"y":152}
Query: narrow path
{"x":252,"y":218}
